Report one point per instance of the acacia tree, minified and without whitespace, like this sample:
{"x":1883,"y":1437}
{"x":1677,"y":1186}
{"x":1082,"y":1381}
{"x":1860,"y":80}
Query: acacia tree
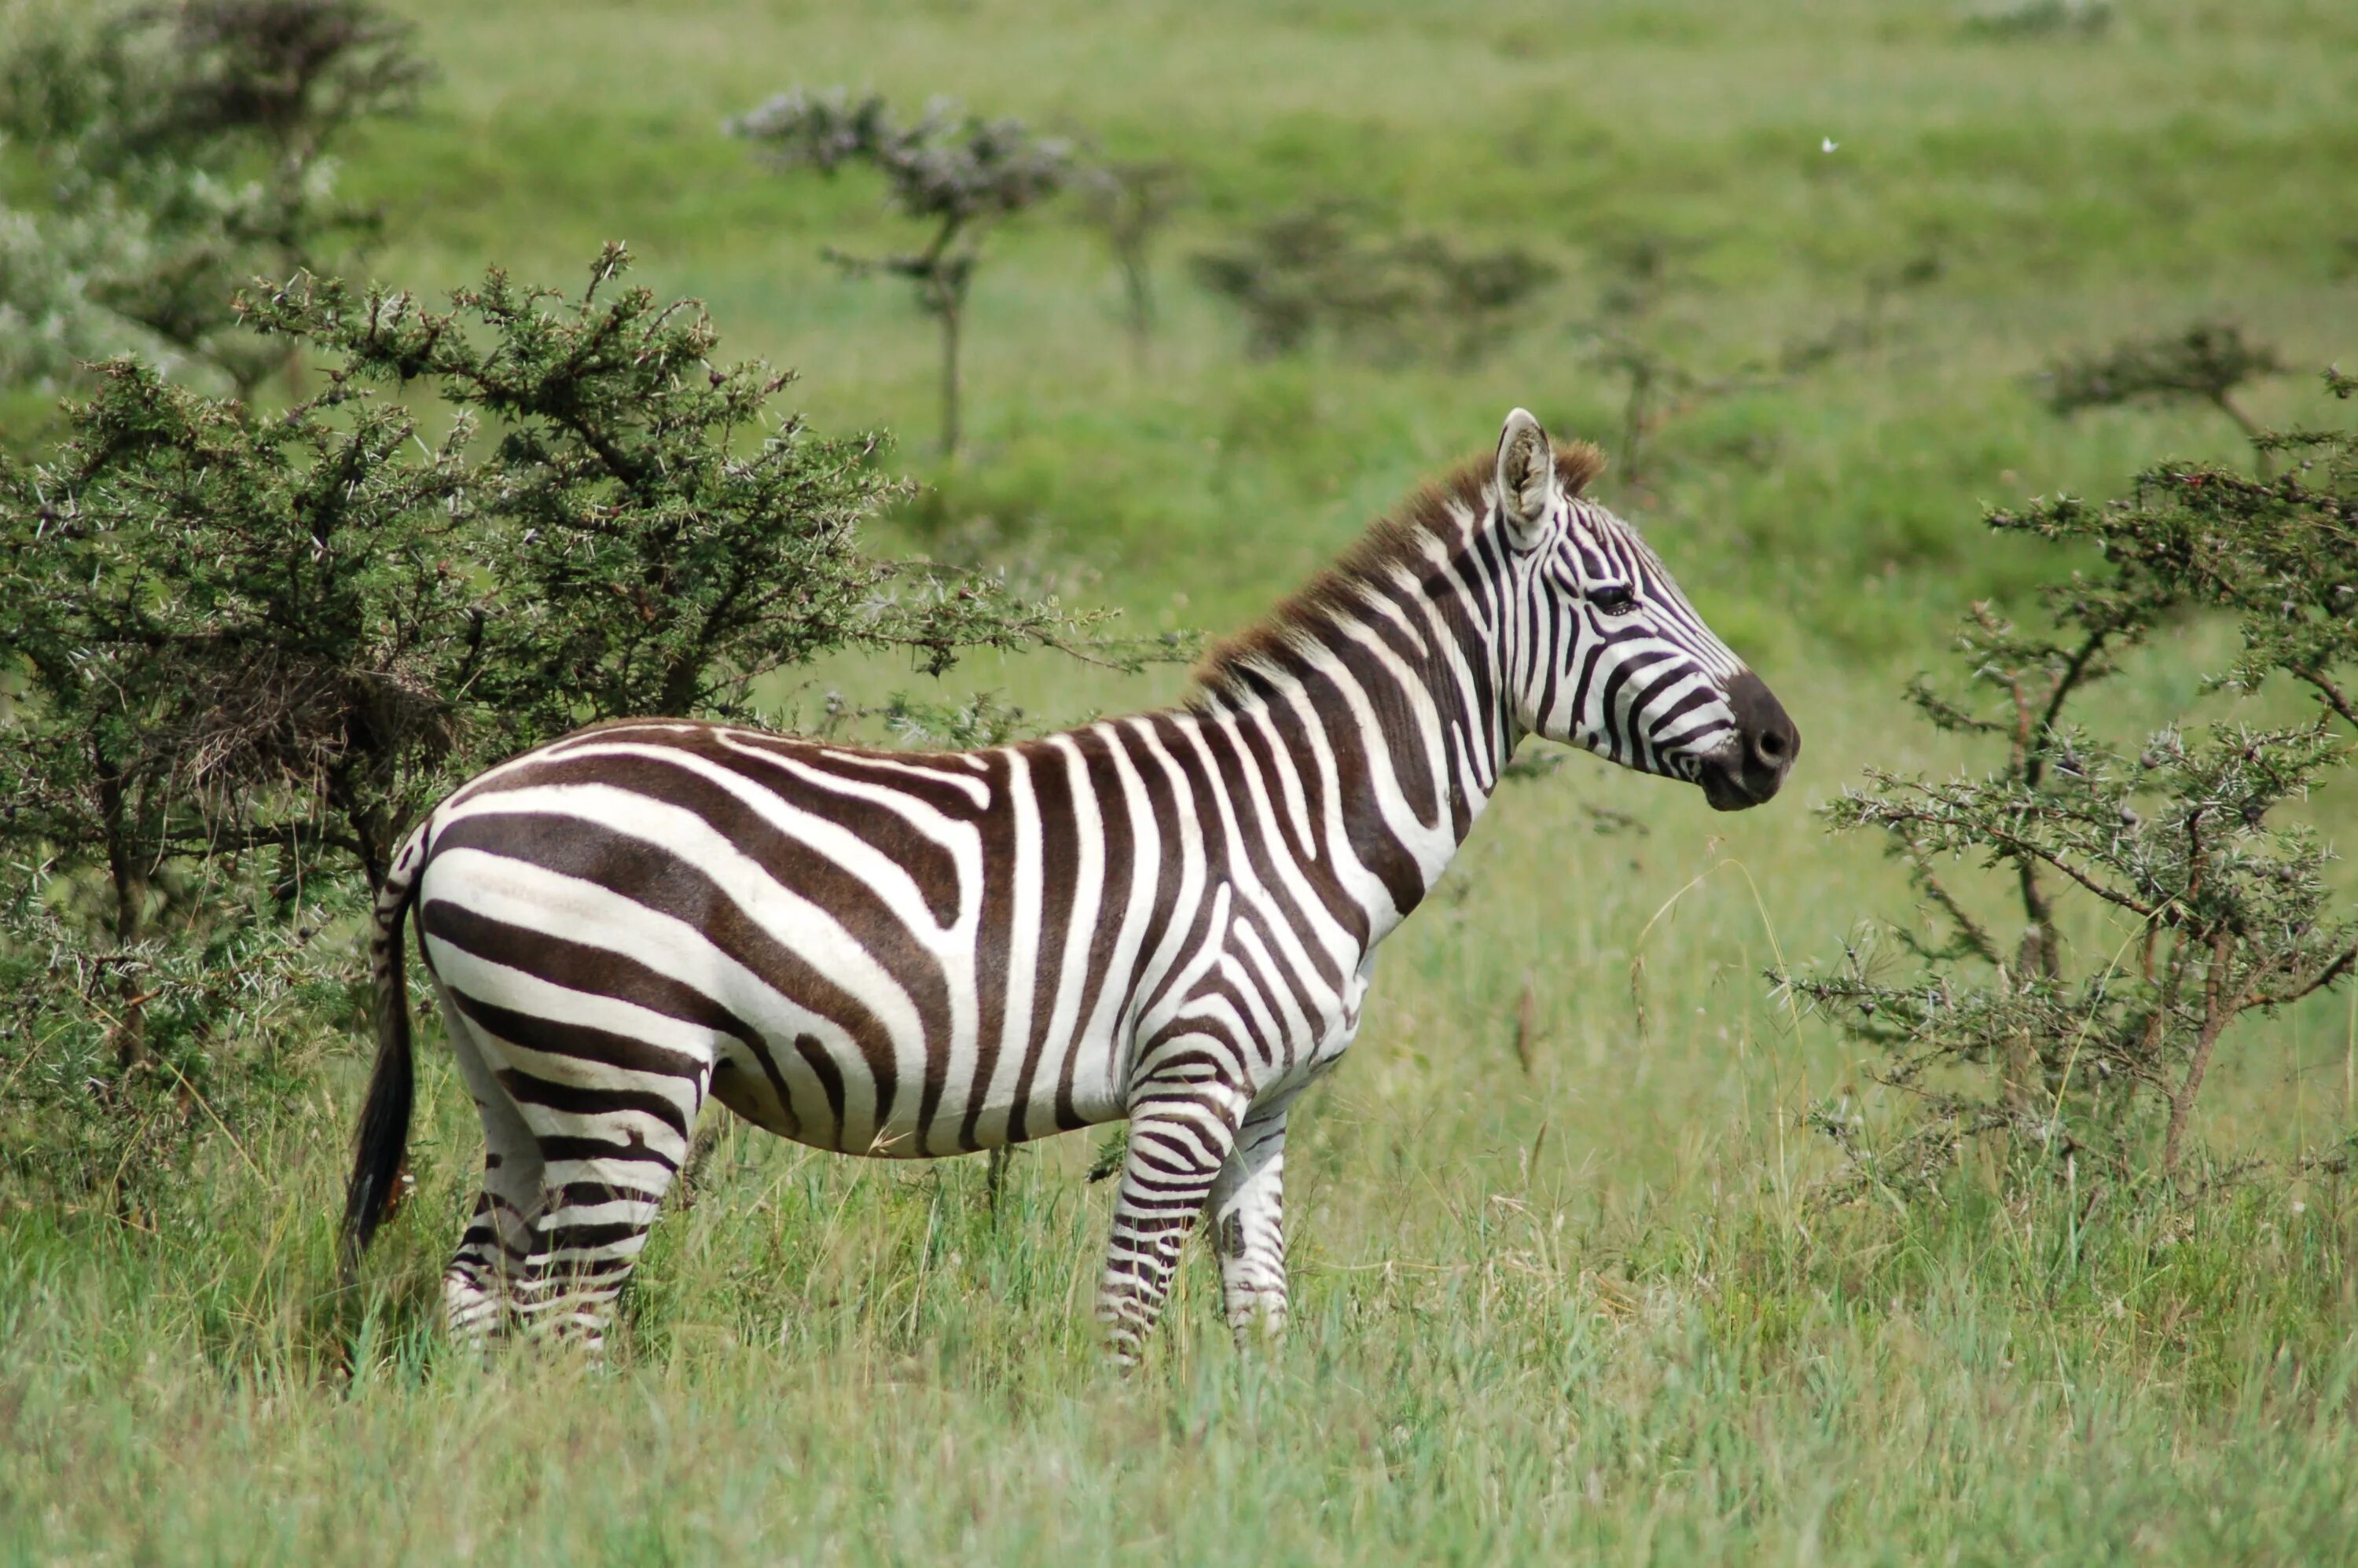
{"x":245,"y":649}
{"x":1316,"y":268}
{"x":1301,"y":271}
{"x":186,"y":148}
{"x":958,"y":174}
{"x":2209,"y":362}
{"x":2214,"y":905}
{"x":1129,"y":204}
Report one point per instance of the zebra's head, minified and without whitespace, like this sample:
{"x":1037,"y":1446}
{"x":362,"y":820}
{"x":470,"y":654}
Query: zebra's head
{"x":1602,"y":650}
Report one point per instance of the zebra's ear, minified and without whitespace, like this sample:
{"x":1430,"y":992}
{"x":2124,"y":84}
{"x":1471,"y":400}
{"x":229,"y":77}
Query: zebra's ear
{"x":1526,"y":486}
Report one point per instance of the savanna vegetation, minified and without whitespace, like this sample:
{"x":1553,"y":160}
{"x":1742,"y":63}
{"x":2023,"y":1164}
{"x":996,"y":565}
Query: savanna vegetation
{"x":1673,"y":1205}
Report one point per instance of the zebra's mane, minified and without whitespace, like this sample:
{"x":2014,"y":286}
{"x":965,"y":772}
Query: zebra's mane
{"x":1400,"y":539}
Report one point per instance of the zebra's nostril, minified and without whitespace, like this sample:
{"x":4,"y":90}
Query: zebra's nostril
{"x":1770,"y":740}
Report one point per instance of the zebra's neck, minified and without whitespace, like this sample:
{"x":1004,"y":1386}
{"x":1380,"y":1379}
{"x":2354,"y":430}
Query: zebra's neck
{"x":1385,"y":686}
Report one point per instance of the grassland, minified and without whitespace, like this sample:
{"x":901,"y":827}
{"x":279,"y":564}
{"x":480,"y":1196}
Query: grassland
{"x":1585,"y":1310}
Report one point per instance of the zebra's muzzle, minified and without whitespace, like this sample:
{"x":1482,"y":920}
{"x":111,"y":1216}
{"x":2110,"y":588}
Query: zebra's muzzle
{"x":1751,"y":770}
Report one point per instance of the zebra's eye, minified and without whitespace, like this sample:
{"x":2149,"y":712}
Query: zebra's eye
{"x":1612,"y":599}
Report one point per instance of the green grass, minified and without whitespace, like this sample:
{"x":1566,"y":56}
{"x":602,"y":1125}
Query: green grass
{"x":1587,"y":1310}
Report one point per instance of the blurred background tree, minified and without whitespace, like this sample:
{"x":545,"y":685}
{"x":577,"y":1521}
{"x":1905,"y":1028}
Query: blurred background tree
{"x":2207,"y":363}
{"x":248,"y":647}
{"x":1323,"y":270}
{"x":183,"y":148}
{"x":1636,"y":334}
{"x":955,"y":174}
{"x":1129,"y":204}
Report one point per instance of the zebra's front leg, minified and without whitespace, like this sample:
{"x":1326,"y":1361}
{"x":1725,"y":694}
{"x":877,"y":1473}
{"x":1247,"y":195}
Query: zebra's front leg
{"x":1178,"y":1145}
{"x":1247,"y":1208}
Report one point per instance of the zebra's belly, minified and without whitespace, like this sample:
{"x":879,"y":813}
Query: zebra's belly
{"x":798,"y":1089}
{"x":996,"y":1075}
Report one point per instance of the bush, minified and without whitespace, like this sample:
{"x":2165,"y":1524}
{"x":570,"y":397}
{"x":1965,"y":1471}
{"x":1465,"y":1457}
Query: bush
{"x":2041,"y":20}
{"x":246,"y":649}
{"x":2214,"y":905}
{"x":2206,"y":362}
{"x":239,"y":995}
{"x":1312,"y":270}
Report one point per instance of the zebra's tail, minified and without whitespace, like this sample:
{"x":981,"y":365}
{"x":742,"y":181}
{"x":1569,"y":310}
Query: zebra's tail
{"x":382,"y":1140}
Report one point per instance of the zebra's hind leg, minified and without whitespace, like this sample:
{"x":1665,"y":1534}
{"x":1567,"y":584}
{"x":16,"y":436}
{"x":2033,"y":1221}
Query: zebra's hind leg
{"x":608,"y":1159}
{"x":478,"y":1288}
{"x":1247,"y":1208}
{"x":1178,"y":1145}
{"x":594,"y":1225}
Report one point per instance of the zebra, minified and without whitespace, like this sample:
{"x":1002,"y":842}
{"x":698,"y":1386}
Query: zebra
{"x":1171,"y":917}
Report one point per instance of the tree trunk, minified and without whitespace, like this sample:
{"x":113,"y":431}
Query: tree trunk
{"x":2218,"y":1011}
{"x":125,"y":868}
{"x":373,"y":829}
{"x":1636,"y":415}
{"x":952,"y":313}
{"x":1137,"y":290}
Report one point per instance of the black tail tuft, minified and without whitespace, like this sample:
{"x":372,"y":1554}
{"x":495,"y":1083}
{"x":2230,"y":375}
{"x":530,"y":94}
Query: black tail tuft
{"x":382,"y":1141}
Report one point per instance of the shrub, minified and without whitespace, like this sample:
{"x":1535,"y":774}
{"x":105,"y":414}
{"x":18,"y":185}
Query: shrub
{"x":2206,"y":362}
{"x":247,"y":648}
{"x":2041,"y":20}
{"x":239,"y":994}
{"x":1313,"y":269}
{"x":2214,"y":905}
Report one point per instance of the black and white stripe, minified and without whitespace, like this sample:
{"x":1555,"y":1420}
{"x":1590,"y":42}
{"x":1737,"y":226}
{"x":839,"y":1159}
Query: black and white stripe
{"x":1169,"y":918}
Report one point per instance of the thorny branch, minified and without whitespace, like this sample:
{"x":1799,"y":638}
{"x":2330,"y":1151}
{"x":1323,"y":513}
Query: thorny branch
{"x":2184,"y":834}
